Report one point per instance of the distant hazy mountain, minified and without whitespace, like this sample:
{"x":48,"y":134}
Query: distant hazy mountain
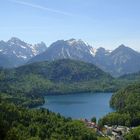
{"x":72,"y":49}
{"x":17,"y":52}
{"x":102,"y":59}
{"x":4,"y":61}
{"x":121,"y":61}
{"x":131,"y":77}
{"x":124,"y":60}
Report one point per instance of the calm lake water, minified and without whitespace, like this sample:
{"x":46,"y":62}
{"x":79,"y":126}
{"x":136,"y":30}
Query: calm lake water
{"x":85,"y":105}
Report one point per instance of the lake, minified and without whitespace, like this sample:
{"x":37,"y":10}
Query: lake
{"x":84,"y":105}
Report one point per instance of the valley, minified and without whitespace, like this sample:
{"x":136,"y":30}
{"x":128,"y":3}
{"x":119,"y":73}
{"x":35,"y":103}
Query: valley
{"x":69,"y":70}
{"x":74,"y":88}
{"x":120,"y":61}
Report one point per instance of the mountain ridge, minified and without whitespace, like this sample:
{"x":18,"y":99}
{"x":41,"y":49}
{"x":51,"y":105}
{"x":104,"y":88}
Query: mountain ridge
{"x":19,"y":52}
{"x":122,"y":60}
{"x":63,"y":68}
{"x":56,"y":77}
{"x":116,"y":62}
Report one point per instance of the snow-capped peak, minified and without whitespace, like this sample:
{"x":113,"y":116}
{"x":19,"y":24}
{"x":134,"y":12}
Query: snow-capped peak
{"x":14,"y":39}
{"x":93,"y":51}
{"x":72,"y":42}
{"x":20,"y":51}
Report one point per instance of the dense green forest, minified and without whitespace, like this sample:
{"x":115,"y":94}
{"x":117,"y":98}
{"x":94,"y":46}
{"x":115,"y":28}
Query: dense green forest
{"x":31,"y":82}
{"x":24,"y":87}
{"x":127,"y":104}
{"x":18,"y":123}
{"x":131,"y":77}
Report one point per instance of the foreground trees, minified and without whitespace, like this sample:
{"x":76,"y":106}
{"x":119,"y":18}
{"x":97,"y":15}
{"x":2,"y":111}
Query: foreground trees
{"x":93,"y":119}
{"x":127,"y":105}
{"x":18,"y":123}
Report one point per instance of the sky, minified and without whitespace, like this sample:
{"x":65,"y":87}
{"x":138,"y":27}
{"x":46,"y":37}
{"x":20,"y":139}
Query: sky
{"x":101,"y":23}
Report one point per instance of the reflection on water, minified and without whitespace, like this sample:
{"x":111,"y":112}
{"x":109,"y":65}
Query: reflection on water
{"x":66,"y":102}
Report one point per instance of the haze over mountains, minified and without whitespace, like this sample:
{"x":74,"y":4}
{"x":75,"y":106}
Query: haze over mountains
{"x":118,"y":62}
{"x":15,"y":52}
{"x":122,"y":60}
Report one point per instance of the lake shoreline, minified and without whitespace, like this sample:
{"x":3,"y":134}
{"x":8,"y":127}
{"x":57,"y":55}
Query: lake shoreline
{"x":74,"y":93}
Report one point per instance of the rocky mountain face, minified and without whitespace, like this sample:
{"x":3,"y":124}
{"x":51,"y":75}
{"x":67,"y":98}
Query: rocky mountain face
{"x":71,"y":49}
{"x":17,"y":52}
{"x":4,"y":61}
{"x":122,"y":60}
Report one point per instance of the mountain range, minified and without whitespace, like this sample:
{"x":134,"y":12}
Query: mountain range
{"x":122,"y":60}
{"x":15,"y":52}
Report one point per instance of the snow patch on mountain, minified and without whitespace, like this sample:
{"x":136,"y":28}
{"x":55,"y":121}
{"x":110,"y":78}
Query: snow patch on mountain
{"x":93,"y":51}
{"x":19,"y":52}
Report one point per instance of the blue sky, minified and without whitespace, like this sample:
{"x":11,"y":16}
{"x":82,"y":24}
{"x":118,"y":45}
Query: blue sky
{"x":101,"y":23}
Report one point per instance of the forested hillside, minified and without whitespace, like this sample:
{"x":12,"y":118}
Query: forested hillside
{"x":131,"y":77}
{"x":17,"y":123}
{"x":25,"y":87}
{"x":33,"y":81}
{"x":127,"y":105}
